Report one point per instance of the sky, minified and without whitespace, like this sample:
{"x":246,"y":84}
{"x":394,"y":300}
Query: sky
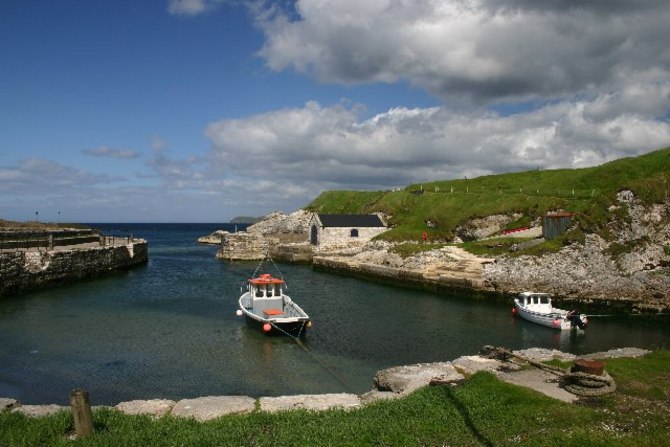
{"x":204,"y":110}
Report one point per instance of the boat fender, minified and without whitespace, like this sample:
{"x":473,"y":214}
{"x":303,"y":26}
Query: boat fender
{"x":309,"y":324}
{"x":238,"y":313}
{"x":557,"y":323}
{"x":267,"y":327}
{"x":515,"y":311}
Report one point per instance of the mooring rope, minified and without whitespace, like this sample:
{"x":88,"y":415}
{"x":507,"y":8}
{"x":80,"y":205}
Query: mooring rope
{"x":323,"y":366}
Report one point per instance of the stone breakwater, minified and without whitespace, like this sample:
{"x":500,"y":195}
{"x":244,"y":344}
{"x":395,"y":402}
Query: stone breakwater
{"x":390,"y":383}
{"x":21,"y":271}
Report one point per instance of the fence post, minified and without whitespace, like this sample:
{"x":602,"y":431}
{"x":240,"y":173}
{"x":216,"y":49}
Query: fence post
{"x":81,"y":412}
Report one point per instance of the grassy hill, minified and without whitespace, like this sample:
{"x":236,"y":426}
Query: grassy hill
{"x":588,"y":191}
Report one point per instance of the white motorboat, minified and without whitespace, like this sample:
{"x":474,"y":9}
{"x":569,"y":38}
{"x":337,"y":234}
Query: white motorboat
{"x":537,"y":307}
{"x":265,"y":305}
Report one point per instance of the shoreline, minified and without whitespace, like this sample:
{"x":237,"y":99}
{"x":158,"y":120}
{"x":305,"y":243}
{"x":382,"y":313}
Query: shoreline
{"x":388,"y":384}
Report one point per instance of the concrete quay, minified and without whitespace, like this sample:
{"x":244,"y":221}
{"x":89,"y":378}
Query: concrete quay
{"x":390,"y":383}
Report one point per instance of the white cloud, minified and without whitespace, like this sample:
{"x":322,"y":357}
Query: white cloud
{"x":330,"y":147}
{"x":472,"y":49}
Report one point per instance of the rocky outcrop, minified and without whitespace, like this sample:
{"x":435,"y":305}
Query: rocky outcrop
{"x":214,"y":238}
{"x":449,"y":266}
{"x":283,"y":236}
{"x":26,"y":270}
{"x":633,"y":268}
{"x":482,"y":227}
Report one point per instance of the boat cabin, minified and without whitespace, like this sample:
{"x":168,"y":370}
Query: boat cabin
{"x":267,"y":294}
{"x":537,"y":302}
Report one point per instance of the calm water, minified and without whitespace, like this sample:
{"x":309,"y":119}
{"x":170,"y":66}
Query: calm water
{"x":169,"y":330}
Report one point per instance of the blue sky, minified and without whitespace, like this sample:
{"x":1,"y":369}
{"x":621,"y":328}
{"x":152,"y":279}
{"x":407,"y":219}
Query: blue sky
{"x":203,"y":110}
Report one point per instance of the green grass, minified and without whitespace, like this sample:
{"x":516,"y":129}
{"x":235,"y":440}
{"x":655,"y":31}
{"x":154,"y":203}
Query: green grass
{"x":480,"y":411}
{"x":588,"y":192}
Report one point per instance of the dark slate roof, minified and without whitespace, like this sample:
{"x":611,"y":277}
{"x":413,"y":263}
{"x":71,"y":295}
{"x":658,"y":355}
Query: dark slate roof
{"x":350,"y":220}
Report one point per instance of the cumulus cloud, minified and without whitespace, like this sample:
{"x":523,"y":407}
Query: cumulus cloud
{"x":332,"y":147}
{"x":105,"y":151}
{"x":476,"y":50}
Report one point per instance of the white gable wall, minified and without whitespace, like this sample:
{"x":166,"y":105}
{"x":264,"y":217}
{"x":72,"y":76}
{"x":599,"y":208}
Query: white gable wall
{"x":341,"y":236}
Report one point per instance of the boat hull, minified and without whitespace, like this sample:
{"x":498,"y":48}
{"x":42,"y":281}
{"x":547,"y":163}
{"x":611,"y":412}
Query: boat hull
{"x":554,"y":321}
{"x":537,"y":308}
{"x":294,"y":329}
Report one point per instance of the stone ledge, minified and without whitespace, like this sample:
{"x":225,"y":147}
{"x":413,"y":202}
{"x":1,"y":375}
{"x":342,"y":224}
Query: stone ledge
{"x":212,"y":407}
{"x":154,"y":407}
{"x":313,"y":402}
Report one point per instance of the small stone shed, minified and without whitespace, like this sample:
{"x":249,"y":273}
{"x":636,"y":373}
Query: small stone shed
{"x":331,"y":230}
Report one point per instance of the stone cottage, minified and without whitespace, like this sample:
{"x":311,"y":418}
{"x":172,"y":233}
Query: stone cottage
{"x":343,"y":230}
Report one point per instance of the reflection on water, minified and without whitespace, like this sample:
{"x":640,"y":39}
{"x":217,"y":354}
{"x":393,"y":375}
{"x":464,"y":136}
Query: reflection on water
{"x":169,"y":330}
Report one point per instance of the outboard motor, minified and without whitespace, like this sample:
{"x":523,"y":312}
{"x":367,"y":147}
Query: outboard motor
{"x":577,"y":320}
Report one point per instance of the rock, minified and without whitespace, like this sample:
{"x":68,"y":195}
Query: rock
{"x":479,"y":228}
{"x":544,"y":355}
{"x":212,"y":407}
{"x":406,"y":379}
{"x":313,"y":402}
{"x":280,"y":223}
{"x":214,"y":238}
{"x":154,"y":407}
{"x":617,"y":353}
{"x":473,"y":363}
{"x":8,"y":403}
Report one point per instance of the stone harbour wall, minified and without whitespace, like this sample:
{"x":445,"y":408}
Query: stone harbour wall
{"x":21,"y":271}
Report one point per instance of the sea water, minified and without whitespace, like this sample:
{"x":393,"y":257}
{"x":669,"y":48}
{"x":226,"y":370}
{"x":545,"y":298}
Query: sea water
{"x":169,"y":330}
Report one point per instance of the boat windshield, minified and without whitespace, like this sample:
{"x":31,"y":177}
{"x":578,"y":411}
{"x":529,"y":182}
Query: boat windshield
{"x":267,"y":290}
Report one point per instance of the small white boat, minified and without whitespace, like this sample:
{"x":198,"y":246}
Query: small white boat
{"x":537,"y":307}
{"x":265,"y":305}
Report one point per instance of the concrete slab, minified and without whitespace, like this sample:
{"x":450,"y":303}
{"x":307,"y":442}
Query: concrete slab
{"x":212,"y":407}
{"x":153,"y":407}
{"x":540,"y":381}
{"x":314,"y":402}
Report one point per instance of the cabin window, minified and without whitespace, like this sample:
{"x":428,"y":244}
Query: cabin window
{"x":354,"y":232}
{"x":544,"y":300}
{"x":277,"y":289}
{"x":270,"y":289}
{"x":259,"y":291}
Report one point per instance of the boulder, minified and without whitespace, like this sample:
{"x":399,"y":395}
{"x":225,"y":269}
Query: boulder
{"x":409,"y":378}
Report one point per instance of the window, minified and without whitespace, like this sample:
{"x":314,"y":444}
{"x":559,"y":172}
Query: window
{"x":354,"y":232}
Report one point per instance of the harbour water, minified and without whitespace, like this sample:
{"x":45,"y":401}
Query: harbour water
{"x":169,"y":330}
